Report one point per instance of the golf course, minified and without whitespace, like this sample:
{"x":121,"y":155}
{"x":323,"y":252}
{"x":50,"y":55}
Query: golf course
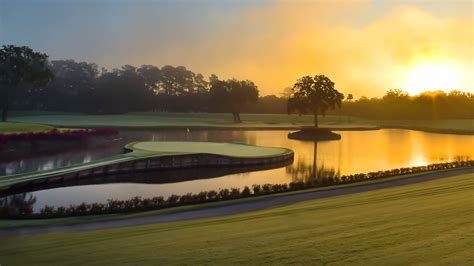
{"x":150,"y":153}
{"x":44,"y":121}
{"x":428,"y":222}
{"x":256,"y":132}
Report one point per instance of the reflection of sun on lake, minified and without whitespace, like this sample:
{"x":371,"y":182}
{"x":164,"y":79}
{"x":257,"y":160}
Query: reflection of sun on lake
{"x":356,"y":152}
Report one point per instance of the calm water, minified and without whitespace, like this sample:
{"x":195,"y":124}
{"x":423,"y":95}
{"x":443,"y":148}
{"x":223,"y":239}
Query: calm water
{"x":356,"y":152}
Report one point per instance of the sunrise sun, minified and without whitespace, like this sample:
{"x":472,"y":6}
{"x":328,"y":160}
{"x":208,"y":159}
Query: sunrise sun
{"x":432,"y":76}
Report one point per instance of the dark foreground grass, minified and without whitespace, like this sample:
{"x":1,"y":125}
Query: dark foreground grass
{"x":428,"y":223}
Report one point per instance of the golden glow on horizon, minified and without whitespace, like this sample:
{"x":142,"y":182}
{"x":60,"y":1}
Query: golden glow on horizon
{"x":432,"y":76}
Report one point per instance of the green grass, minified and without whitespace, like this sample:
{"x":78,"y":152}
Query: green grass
{"x":14,"y":127}
{"x":222,"y":120}
{"x":426,"y":223}
{"x":459,"y":126}
{"x":189,"y":147}
{"x":180,"y":120}
{"x":11,"y":223}
{"x":143,"y":150}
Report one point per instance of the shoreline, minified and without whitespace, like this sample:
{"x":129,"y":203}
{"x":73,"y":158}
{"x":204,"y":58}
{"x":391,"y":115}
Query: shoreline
{"x":222,"y":208}
{"x":137,"y":160}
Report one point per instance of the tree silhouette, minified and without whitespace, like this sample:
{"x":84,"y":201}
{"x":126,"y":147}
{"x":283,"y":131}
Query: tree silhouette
{"x":314,"y":95}
{"x":20,"y":66}
{"x":71,"y":87}
{"x":350,"y":97}
{"x":17,"y":205}
{"x":232,"y":95}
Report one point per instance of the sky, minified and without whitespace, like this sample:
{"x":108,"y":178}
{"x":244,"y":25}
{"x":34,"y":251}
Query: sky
{"x":366,"y":47}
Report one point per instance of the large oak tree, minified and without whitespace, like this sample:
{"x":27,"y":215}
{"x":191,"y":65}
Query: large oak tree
{"x":314,"y":95}
{"x":20,"y":67}
{"x":232,"y":95}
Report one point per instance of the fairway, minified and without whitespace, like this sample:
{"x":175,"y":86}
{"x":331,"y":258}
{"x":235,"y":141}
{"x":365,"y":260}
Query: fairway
{"x":151,"y":120}
{"x":428,"y":223}
{"x":183,"y":120}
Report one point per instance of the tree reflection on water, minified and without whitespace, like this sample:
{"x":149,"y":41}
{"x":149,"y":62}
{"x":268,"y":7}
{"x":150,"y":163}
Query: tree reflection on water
{"x":301,"y":171}
{"x":17,"y":205}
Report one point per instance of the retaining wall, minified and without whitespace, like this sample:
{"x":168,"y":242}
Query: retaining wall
{"x":167,"y":162}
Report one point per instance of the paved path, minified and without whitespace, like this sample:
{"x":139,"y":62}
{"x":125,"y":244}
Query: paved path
{"x":230,"y":209}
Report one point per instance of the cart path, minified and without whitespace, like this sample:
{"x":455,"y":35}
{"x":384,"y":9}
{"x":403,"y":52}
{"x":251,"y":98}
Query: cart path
{"x":233,"y":208}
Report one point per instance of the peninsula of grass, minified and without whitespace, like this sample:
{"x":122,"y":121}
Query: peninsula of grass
{"x":425,"y":223}
{"x":162,"y":121}
{"x":194,"y":147}
{"x":17,"y":127}
{"x":142,"y":152}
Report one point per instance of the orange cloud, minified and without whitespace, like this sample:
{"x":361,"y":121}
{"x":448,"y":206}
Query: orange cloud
{"x":275,"y":45}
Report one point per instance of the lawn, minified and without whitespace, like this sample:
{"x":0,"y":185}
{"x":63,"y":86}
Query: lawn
{"x":13,"y":127}
{"x":465,"y":126}
{"x":188,"y":147}
{"x":153,"y":149}
{"x":222,"y":120}
{"x":183,"y":120}
{"x":426,"y":223}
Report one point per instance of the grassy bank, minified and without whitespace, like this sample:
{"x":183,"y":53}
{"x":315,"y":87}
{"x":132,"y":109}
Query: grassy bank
{"x":224,"y":121}
{"x":15,"y":127}
{"x":428,"y":223}
{"x":184,"y":120}
{"x":437,"y":126}
{"x":12,"y":223}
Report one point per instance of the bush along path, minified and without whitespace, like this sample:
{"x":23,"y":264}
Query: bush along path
{"x":138,"y":204}
{"x":214,"y":209}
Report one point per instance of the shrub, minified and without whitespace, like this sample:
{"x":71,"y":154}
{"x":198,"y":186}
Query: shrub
{"x":257,"y":189}
{"x":24,"y":209}
{"x":246,"y":192}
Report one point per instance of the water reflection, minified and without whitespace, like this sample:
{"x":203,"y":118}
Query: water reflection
{"x":356,"y":152}
{"x":302,"y":171}
{"x":17,"y":205}
{"x":148,"y":177}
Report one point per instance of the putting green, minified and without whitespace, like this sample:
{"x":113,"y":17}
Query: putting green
{"x":225,"y":149}
{"x":148,"y":150}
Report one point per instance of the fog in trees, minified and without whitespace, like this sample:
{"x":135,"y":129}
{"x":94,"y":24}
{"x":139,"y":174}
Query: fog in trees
{"x":21,"y":70}
{"x":84,"y":87}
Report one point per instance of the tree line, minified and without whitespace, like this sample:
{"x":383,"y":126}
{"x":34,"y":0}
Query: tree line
{"x":397,"y":104}
{"x":29,"y":81}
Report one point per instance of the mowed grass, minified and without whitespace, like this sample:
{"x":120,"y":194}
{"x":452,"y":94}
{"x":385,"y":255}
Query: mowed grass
{"x":190,"y":147}
{"x":191,"y":120}
{"x":12,"y":127}
{"x":223,"y":120}
{"x":465,"y":126}
{"x":427,"y":223}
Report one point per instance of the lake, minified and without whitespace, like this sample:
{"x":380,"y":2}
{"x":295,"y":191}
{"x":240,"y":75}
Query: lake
{"x":356,"y":152}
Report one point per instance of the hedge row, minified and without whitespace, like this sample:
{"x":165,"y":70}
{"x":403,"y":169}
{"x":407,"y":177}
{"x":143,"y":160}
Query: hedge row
{"x":145,"y":204}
